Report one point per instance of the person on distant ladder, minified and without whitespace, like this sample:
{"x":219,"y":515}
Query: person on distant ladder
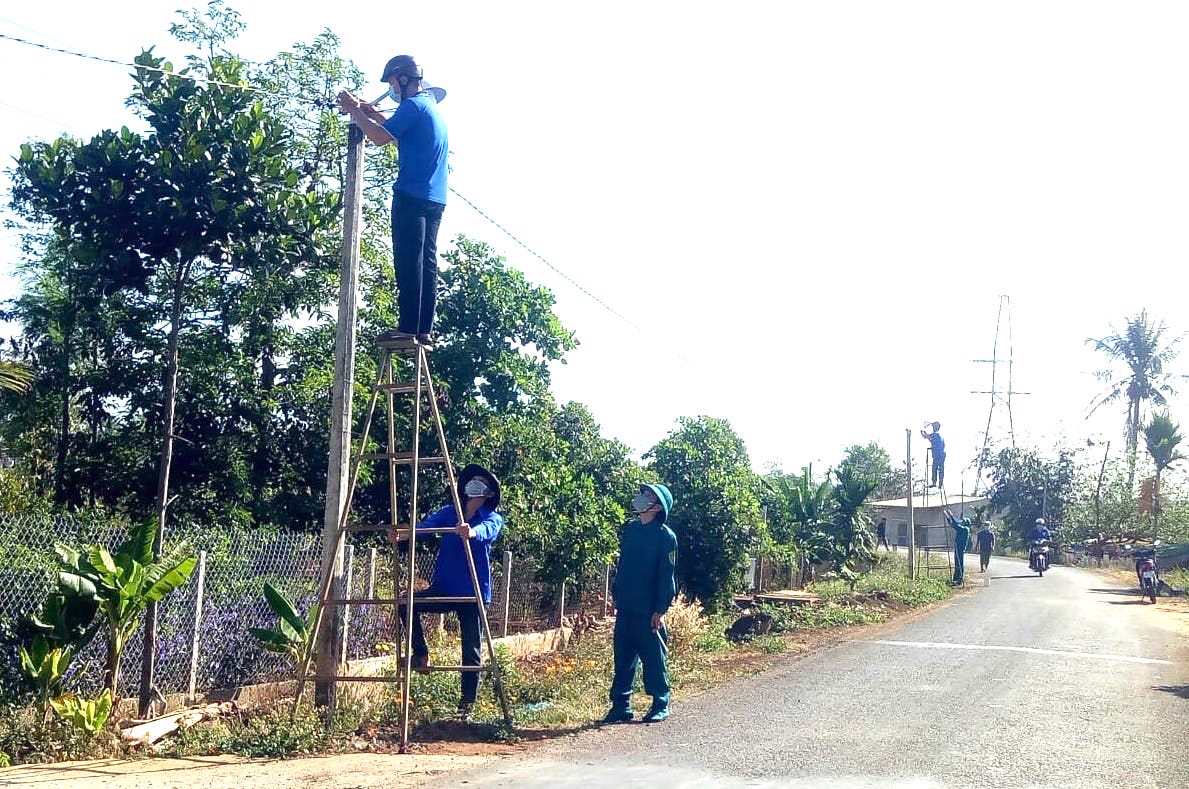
{"x":419,"y":194}
{"x":644,"y":589}
{"x":479,"y":526}
{"x":961,"y":527}
{"x":937,"y":445}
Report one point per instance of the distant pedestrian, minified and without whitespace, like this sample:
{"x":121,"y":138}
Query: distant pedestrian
{"x":986,"y":544}
{"x":937,"y":447}
{"x":881,"y":534}
{"x":645,"y":586}
{"x":961,"y":529}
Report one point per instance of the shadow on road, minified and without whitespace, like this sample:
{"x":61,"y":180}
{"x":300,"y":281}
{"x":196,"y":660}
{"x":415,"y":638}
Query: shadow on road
{"x":1029,"y":575}
{"x":1176,"y":690}
{"x":1139,"y":601}
{"x":1121,"y":592}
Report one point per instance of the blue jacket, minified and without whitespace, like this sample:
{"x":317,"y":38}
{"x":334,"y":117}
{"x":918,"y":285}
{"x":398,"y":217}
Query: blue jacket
{"x":451,"y":576}
{"x":1039,"y":534}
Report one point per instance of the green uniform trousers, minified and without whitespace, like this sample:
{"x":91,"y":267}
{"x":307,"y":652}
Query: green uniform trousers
{"x":636,"y":642}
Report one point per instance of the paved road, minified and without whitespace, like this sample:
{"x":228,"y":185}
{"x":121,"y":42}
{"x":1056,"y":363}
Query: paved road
{"x":1060,"y":681}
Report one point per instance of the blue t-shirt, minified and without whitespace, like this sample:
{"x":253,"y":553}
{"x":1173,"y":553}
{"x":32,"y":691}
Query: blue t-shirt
{"x":937,"y":444}
{"x":421,"y":135}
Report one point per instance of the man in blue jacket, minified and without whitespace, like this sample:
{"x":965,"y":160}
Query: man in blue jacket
{"x":645,"y":586}
{"x":478,"y":528}
{"x":419,"y":194}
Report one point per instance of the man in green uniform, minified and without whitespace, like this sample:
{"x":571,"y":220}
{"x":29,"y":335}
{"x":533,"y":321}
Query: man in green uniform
{"x":961,"y":529}
{"x":644,"y":589}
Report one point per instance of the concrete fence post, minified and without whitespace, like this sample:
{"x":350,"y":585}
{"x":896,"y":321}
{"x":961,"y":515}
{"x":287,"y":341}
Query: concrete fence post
{"x":200,"y":580}
{"x":507,"y":589}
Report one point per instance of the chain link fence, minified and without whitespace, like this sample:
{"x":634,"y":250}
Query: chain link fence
{"x":208,"y":646}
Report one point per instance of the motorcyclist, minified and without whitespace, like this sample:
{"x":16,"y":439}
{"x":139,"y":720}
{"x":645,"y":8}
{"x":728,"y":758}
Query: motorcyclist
{"x":1038,"y":535}
{"x":1040,"y":532}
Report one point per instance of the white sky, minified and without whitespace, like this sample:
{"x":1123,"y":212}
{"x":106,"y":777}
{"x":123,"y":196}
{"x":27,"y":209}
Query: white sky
{"x":816,"y":205}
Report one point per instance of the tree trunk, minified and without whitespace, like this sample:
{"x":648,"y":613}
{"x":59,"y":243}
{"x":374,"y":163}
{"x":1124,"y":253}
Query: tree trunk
{"x":111,"y":670}
{"x":64,"y":421}
{"x":1132,"y":441}
{"x":148,"y":654}
{"x":1156,"y":507}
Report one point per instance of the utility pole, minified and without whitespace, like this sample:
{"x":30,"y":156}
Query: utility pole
{"x":912,"y":530}
{"x":329,"y":647}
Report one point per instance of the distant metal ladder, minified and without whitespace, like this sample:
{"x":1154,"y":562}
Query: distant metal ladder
{"x":420,"y":387}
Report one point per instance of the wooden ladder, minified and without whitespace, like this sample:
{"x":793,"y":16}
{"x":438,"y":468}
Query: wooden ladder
{"x":422,"y":389}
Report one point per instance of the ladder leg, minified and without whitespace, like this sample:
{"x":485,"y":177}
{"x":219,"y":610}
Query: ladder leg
{"x":497,"y":682}
{"x":405,"y":668}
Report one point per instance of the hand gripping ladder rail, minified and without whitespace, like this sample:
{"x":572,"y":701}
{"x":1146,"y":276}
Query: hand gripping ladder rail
{"x":420,"y":387}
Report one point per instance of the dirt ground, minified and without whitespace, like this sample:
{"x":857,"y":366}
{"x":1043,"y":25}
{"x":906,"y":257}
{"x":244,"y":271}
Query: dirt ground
{"x":1170,"y":613}
{"x":360,"y":770}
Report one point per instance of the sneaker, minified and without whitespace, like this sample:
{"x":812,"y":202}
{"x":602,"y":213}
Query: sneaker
{"x":465,"y":709}
{"x":657,"y":713}
{"x":618,"y":715}
{"x":421,"y":664}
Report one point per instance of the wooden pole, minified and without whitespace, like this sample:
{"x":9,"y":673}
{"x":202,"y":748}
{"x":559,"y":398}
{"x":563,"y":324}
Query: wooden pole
{"x":912,"y":529}
{"x":340,"y":414}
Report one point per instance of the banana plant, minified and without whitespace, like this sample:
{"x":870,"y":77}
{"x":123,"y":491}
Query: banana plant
{"x":89,"y":715}
{"x":293,"y":635}
{"x":124,"y":583}
{"x":64,"y":626}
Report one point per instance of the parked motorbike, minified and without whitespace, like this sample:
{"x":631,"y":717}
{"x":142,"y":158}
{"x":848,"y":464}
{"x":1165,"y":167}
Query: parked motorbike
{"x":1038,"y":557}
{"x":1145,"y":568}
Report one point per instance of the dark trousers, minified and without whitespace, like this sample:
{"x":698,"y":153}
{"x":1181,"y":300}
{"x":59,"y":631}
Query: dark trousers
{"x":959,"y":563}
{"x":881,"y":538}
{"x":938,"y":470}
{"x":415,"y":255}
{"x":984,"y":558}
{"x":468,"y":626}
{"x":635,"y":642}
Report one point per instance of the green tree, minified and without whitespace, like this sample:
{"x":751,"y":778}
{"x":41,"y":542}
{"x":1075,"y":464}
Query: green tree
{"x":872,"y":460}
{"x":853,"y":541}
{"x":716,"y":512}
{"x":799,"y":514}
{"x":1162,"y":437}
{"x":1140,"y":355}
{"x":1025,"y":486}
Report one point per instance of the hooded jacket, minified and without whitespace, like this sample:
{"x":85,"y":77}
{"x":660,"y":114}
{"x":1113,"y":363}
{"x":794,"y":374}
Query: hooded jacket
{"x":644,"y":578}
{"x":451,"y":576}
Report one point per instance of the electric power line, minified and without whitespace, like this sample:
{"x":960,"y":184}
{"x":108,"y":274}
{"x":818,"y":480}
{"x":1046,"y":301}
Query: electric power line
{"x":481,"y":212}
{"x":111,"y":61}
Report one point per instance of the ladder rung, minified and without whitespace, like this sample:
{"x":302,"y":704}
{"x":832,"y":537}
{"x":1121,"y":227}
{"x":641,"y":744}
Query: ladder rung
{"x":397,"y":600}
{"x":403,"y":458}
{"x":400,"y":387}
{"x":403,"y":344}
{"x":353,"y":678}
{"x":402,"y":527}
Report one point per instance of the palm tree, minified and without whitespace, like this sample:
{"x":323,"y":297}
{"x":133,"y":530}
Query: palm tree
{"x":1145,"y":352}
{"x":15,"y":376}
{"x":1162,"y":436}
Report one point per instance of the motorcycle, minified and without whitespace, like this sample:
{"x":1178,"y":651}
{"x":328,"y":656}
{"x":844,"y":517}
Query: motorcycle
{"x":1038,"y":557}
{"x":1145,"y":568}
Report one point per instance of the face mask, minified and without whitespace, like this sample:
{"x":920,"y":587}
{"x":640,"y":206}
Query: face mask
{"x":642,"y":502}
{"x":475,"y":488}
{"x":394,"y":94}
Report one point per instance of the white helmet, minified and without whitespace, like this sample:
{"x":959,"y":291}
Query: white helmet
{"x":1040,"y":521}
